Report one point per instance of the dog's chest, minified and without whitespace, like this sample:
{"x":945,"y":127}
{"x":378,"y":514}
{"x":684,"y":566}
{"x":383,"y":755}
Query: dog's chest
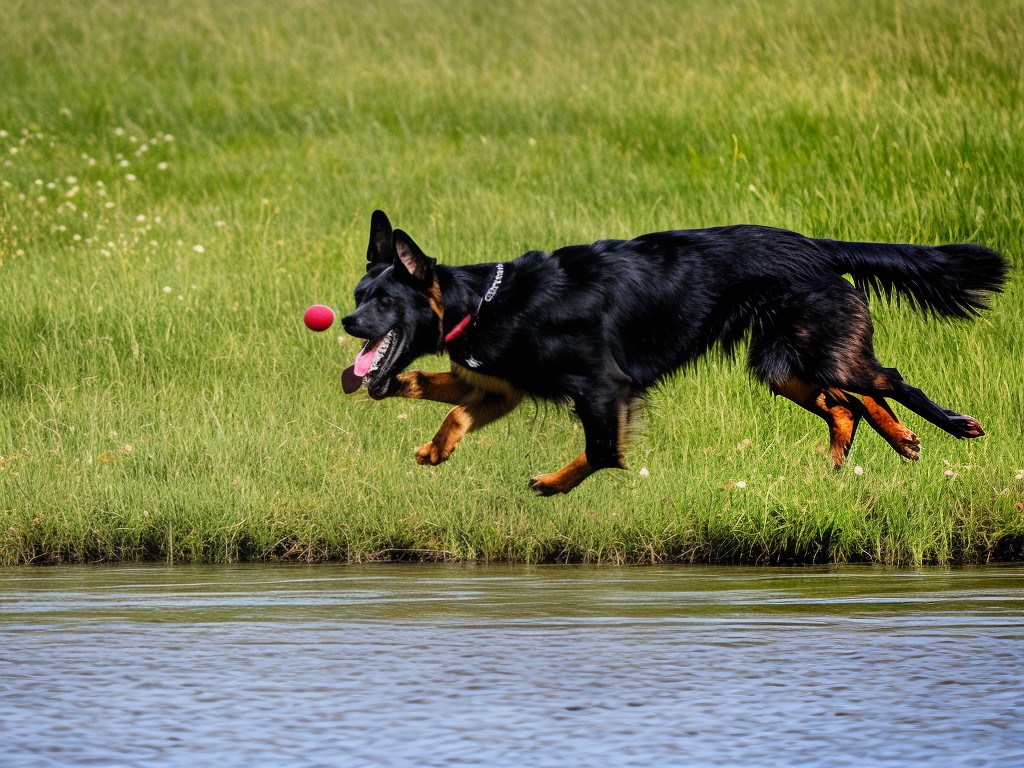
{"x":483,"y":382}
{"x":467,"y":359}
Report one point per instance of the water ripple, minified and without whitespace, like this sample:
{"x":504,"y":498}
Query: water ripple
{"x":526,"y":667}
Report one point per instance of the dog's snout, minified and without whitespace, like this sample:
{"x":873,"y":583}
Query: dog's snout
{"x":348,"y":322}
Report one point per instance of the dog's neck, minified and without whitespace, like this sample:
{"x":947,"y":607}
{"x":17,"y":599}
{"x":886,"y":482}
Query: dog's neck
{"x":471,"y":289}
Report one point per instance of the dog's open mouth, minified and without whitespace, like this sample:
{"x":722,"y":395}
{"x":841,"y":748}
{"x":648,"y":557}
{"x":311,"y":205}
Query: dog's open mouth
{"x":374,"y":363}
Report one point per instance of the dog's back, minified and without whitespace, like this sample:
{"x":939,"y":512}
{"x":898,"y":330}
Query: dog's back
{"x":663,"y":299}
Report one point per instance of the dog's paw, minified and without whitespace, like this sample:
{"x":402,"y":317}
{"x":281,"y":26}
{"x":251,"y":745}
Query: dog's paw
{"x":545,"y":485}
{"x":431,"y":453}
{"x":965,"y":426}
{"x":908,"y":446}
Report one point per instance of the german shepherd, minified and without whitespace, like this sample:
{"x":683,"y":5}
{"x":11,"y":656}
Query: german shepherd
{"x":598,"y":325}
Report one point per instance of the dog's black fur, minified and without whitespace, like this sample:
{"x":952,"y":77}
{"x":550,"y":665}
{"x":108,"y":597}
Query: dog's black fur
{"x":597,"y":325}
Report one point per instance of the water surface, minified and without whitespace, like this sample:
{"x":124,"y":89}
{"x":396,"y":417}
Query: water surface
{"x":547,"y":666}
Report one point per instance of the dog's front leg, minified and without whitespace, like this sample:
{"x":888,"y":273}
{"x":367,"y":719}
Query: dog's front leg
{"x":439,"y":386}
{"x":604,"y":425}
{"x":565,"y":479}
{"x":474,"y":408}
{"x":461,"y":420}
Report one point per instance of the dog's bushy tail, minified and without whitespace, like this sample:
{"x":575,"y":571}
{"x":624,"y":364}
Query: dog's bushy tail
{"x":942,"y":280}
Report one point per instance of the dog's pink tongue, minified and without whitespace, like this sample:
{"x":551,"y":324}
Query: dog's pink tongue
{"x":364,"y":360}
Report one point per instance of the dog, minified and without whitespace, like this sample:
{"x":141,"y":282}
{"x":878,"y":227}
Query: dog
{"x":596,"y":326}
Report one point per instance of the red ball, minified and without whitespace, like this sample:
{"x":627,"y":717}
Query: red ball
{"x":318,"y":317}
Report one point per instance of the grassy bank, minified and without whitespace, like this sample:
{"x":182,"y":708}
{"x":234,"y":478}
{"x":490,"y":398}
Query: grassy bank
{"x":175,"y":189}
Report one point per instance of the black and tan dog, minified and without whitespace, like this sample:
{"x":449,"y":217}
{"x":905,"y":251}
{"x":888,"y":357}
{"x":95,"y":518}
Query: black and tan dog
{"x":597,"y":325}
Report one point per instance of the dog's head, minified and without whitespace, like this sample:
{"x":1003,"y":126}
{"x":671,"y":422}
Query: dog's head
{"x":398,"y":309}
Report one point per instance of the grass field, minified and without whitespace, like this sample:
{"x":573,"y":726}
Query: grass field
{"x":178,"y":182}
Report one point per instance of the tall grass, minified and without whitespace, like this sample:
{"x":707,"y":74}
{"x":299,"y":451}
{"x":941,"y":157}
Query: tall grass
{"x":178,"y":183}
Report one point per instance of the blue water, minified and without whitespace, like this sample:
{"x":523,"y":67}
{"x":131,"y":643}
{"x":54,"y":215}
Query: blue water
{"x":464,"y":666}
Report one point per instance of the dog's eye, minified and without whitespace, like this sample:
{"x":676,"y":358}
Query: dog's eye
{"x":386,"y":302}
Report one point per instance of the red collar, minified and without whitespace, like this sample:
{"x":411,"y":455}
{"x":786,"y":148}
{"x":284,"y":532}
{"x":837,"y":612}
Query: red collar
{"x":463,"y":324}
{"x":455,"y":332}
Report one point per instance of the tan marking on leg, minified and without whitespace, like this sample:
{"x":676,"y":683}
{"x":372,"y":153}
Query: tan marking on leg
{"x":565,"y":479}
{"x":459,"y":386}
{"x":799,"y":391}
{"x":840,"y":411}
{"x":459,"y":421}
{"x":450,"y":434}
{"x":442,"y":387}
{"x":880,"y":416}
{"x":479,"y":400}
{"x":842,"y":420}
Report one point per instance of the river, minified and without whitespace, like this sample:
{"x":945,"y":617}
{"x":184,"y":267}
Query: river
{"x":439,"y":665}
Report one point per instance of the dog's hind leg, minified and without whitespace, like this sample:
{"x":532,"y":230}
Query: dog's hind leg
{"x":841,"y":411}
{"x":879,"y":414}
{"x":825,"y":336}
{"x":868,"y":377}
{"x":839,"y":352}
{"x":956,"y":424}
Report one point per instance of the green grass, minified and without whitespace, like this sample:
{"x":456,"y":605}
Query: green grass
{"x":178,"y":183}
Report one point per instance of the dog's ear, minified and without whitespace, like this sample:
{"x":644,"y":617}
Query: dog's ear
{"x":411,"y":259}
{"x":381,"y":249}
